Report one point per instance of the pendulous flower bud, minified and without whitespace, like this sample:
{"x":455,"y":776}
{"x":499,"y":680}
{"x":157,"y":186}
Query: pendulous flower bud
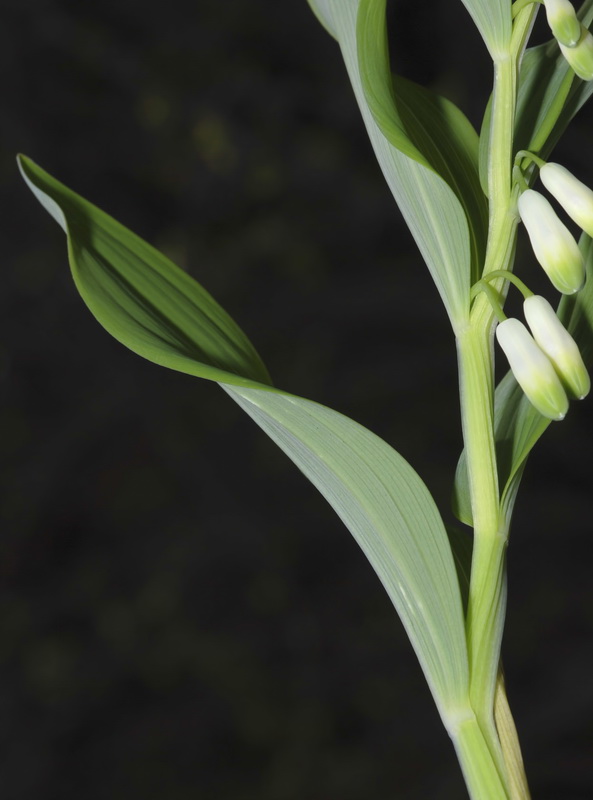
{"x":532,"y":369}
{"x":553,"y":244}
{"x":557,"y":343}
{"x":574,"y":196}
{"x":563,"y":21}
{"x":580,"y":57}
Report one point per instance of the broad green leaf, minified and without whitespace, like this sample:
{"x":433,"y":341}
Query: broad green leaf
{"x":141,"y":297}
{"x":549,"y":94}
{"x":494,"y":21}
{"x":517,"y":424}
{"x":422,"y":125}
{"x":392,"y":516}
{"x":161,"y":313}
{"x":429,"y":206}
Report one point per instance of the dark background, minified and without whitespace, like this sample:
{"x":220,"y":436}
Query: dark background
{"x":182,"y":615}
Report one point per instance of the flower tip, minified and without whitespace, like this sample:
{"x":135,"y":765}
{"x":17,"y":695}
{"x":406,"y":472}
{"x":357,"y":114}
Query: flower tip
{"x":575,"y":197}
{"x":532,"y":369}
{"x":580,"y":55}
{"x":563,"y":21}
{"x":554,"y":246}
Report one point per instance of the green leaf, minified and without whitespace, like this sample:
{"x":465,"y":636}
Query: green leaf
{"x":163,"y":314}
{"x":429,"y":206}
{"x":392,"y":516}
{"x":422,"y":125}
{"x":549,"y":94}
{"x":323,"y":12}
{"x":517,"y":424}
{"x":494,"y":21}
{"x":141,"y":297}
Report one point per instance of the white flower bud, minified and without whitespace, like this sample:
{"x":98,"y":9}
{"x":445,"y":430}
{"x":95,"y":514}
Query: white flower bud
{"x":557,"y":343}
{"x":573,"y":195}
{"x":532,"y":369}
{"x":553,"y":244}
{"x":563,"y":21}
{"x":580,"y":57}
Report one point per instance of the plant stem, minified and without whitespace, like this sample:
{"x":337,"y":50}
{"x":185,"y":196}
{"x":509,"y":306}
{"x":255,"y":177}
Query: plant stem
{"x":505,"y":725}
{"x":487,"y":593}
{"x":487,"y":585}
{"x":482,"y":777}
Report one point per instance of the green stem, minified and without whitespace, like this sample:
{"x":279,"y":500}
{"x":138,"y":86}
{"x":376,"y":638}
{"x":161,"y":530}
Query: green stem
{"x":486,"y":604}
{"x":512,"y":278}
{"x":487,"y":573}
{"x":482,"y":777}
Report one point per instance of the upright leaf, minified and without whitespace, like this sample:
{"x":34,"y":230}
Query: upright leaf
{"x":422,"y":125}
{"x":429,"y":206}
{"x":494,"y":21}
{"x":161,"y":313}
{"x":392,"y":516}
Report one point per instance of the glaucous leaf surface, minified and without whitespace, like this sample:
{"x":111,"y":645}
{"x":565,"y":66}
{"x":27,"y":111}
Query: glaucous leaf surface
{"x":160,"y":312}
{"x":422,"y":125}
{"x":392,"y":516}
{"x":429,"y":205}
{"x":323,"y":12}
{"x":494,"y":21}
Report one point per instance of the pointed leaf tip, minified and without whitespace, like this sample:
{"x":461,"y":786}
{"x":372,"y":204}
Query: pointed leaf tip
{"x":139,"y":296}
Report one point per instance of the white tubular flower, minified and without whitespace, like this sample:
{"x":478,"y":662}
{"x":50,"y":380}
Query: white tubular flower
{"x":563,"y":21}
{"x":557,"y":343}
{"x":580,"y":57}
{"x":553,"y":244}
{"x":573,"y":195}
{"x":532,"y":369}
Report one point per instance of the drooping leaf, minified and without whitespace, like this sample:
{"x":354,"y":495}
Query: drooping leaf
{"x":157,"y":310}
{"x":549,"y":94}
{"x":430,"y":207}
{"x":494,"y":21}
{"x":517,"y":424}
{"x":141,"y":297}
{"x":422,"y":125}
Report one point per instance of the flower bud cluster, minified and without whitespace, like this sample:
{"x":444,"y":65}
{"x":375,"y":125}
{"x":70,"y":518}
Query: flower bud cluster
{"x":546,"y":362}
{"x":575,"y":41}
{"x":553,"y":245}
{"x":544,"y":357}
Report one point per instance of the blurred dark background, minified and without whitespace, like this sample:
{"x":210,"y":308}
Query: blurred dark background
{"x":182,"y":616}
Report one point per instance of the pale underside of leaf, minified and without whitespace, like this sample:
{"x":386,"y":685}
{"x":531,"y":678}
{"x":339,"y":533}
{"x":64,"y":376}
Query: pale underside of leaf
{"x":422,"y":125}
{"x":392,"y":516}
{"x":493,"y":18}
{"x":160,"y":312}
{"x":430,"y":207}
